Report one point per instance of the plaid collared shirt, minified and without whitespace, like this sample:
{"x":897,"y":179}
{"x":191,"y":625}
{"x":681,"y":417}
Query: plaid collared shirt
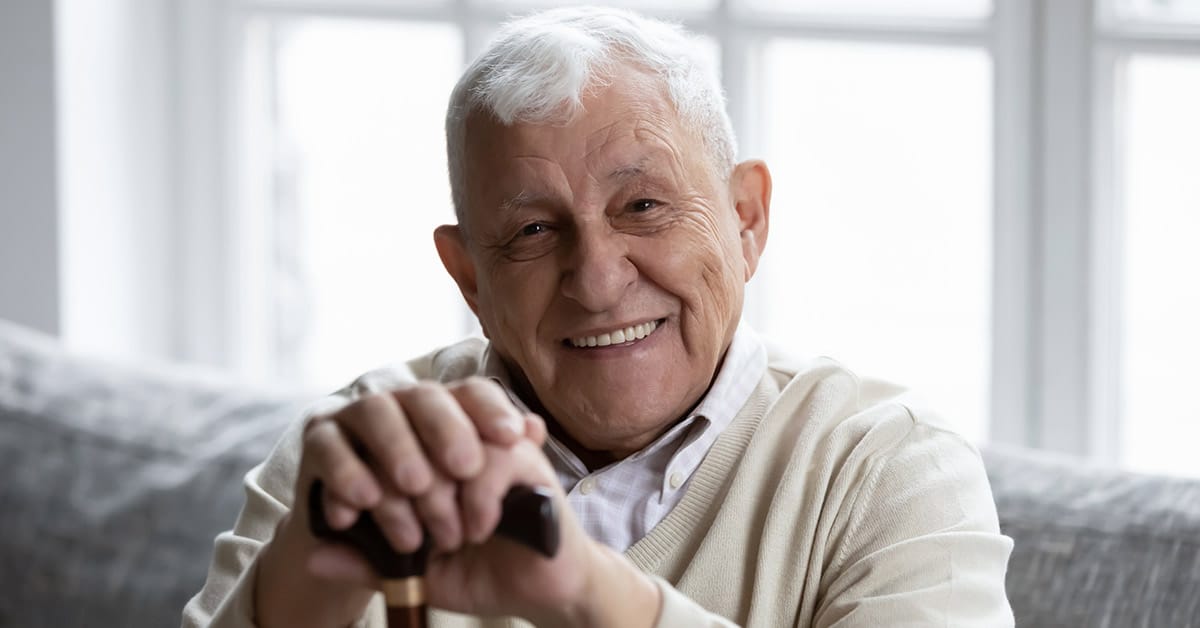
{"x":620,"y":503}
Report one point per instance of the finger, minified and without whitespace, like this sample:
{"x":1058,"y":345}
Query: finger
{"x":535,"y":429}
{"x":331,"y":458}
{"x":491,"y":410}
{"x":439,"y":513}
{"x":481,"y":497}
{"x":380,"y":424}
{"x":398,"y":521}
{"x":338,"y":514}
{"x":447,"y":434}
{"x":331,"y":561}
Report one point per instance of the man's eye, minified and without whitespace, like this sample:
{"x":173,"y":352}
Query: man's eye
{"x":533,"y":228}
{"x":643,"y":204}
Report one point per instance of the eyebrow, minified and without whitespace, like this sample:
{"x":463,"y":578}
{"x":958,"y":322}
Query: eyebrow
{"x":523,"y":199}
{"x":526,"y":197}
{"x":646,"y":166}
{"x":629,"y":171}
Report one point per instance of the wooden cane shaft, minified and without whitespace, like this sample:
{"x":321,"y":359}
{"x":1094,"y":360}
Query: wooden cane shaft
{"x":407,"y":616}
{"x":406,"y":602}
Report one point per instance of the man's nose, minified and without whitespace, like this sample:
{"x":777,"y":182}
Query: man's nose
{"x":598,"y":271}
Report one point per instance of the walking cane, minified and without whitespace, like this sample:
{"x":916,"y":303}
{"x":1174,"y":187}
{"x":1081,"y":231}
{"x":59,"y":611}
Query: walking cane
{"x":528,"y":516}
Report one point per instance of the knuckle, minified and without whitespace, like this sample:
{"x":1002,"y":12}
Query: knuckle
{"x":311,"y":438}
{"x":475,"y":387}
{"x":478,"y":382}
{"x":438,"y":515}
{"x":440,"y":502}
{"x":342,"y":474}
{"x":426,"y":390}
{"x":316,"y":422}
{"x":317,"y":435}
{"x":394,"y":512}
{"x":370,"y":407}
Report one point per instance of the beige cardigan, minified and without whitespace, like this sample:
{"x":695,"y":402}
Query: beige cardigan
{"x":829,"y":501}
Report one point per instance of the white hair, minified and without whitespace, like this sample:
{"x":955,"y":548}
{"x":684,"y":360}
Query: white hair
{"x":537,"y":69}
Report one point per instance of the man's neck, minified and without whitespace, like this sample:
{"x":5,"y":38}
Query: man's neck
{"x":593,"y":459}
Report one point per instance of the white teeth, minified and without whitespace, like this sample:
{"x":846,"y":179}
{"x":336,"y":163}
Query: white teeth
{"x":616,"y":337}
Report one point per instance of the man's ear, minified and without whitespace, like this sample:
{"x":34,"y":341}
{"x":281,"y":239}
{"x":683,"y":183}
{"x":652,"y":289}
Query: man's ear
{"x":452,"y":248}
{"x":751,"y":187}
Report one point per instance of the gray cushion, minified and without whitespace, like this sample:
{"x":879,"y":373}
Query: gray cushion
{"x":115,"y":482}
{"x":1097,"y":548}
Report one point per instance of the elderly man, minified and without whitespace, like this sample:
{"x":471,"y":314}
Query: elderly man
{"x":605,"y":235}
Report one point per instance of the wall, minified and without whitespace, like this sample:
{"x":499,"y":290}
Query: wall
{"x":86,"y":175}
{"x":29,"y":245}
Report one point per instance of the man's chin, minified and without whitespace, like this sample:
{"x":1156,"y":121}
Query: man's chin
{"x":610,"y":423}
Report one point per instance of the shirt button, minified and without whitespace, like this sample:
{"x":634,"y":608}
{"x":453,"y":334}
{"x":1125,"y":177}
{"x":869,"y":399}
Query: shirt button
{"x":587,"y":486}
{"x":676,"y":479}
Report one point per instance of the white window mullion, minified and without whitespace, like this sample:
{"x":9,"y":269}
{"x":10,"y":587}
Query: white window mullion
{"x":1014,"y":54}
{"x":1064,"y":319}
{"x":205,"y":320}
{"x":1107,"y":256}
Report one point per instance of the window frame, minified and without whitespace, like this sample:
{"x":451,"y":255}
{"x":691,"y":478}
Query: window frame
{"x":1054,"y":318}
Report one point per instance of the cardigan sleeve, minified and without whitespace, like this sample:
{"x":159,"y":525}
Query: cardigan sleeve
{"x":227,"y":598}
{"x":923,"y":544}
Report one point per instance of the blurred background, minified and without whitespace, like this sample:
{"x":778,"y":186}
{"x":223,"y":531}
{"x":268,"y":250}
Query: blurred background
{"x":997,"y":203}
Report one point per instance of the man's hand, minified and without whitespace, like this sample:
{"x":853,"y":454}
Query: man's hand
{"x":439,"y":458}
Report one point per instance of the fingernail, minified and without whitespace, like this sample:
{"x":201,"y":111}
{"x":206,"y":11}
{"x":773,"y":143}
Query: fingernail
{"x":512,"y":424}
{"x":341,"y":517}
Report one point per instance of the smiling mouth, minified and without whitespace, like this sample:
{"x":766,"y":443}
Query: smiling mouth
{"x":615,"y":337}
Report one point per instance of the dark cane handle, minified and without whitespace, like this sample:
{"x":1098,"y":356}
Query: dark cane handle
{"x":528,"y":516}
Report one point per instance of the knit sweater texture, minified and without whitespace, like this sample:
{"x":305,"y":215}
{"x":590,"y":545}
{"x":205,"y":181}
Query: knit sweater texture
{"x":830,"y":500}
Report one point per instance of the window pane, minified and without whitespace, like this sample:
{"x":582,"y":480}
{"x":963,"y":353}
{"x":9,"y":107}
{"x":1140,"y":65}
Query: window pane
{"x":656,"y":6}
{"x":1161,"y":416}
{"x":351,"y":5}
{"x":1160,"y":10}
{"x":880,"y":248}
{"x":361,"y":149}
{"x":962,"y":9}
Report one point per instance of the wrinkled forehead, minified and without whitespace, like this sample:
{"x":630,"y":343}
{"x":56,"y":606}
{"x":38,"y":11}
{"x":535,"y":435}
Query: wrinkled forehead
{"x":626,"y":121}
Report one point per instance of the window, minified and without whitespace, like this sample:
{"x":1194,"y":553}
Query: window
{"x":358,"y":170}
{"x":360,"y":166}
{"x":1178,"y":11}
{"x":1160,"y":273}
{"x":991,"y":202}
{"x":1148,"y":207}
{"x":880,"y":249}
{"x":874,"y":9}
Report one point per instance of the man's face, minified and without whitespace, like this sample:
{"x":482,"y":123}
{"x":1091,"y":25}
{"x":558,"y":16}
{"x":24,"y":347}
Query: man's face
{"x":606,"y":260}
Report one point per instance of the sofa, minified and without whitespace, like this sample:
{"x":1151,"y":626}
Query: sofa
{"x":117,"y":478}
